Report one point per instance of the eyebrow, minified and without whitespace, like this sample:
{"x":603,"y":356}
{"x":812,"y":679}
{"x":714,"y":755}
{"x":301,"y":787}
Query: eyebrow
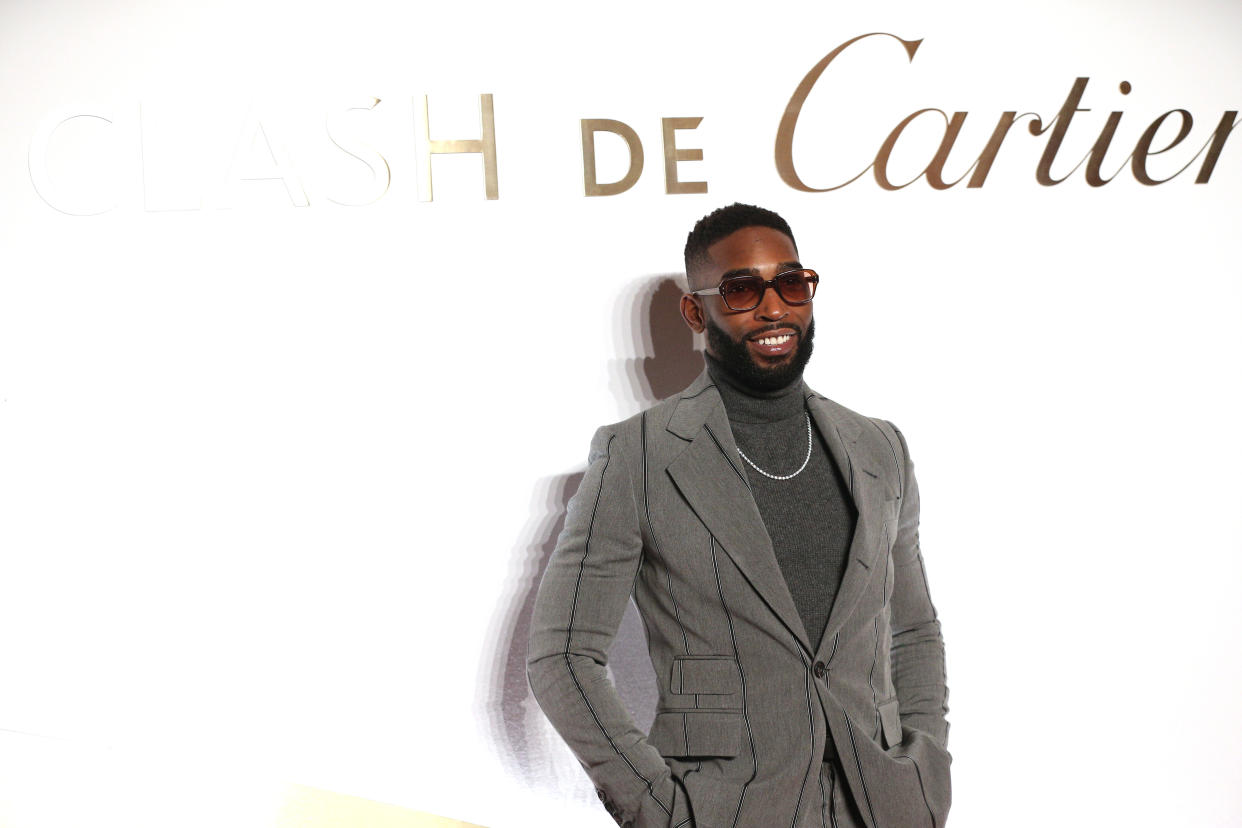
{"x":754,"y":271}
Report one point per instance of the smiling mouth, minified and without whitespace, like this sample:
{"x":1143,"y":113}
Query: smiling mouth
{"x":774,"y":340}
{"x":775,"y":345}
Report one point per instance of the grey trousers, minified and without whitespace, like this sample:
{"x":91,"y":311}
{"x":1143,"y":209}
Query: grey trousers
{"x":839,"y":810}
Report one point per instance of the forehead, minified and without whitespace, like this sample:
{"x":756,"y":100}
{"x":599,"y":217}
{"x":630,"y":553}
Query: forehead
{"x":761,"y":248}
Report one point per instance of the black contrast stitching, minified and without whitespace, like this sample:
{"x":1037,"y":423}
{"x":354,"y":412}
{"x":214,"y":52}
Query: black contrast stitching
{"x":810,"y":717}
{"x":849,"y":726}
{"x":668,"y":575}
{"x":754,"y":758}
{"x":573,"y":609}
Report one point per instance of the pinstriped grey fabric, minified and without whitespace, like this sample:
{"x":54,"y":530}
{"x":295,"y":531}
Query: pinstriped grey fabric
{"x":748,"y":706}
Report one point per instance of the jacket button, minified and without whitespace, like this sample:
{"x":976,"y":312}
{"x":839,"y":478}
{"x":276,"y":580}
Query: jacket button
{"x":820,"y":669}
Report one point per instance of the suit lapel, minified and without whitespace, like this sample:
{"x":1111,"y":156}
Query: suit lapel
{"x":709,"y":476}
{"x":867,"y":489}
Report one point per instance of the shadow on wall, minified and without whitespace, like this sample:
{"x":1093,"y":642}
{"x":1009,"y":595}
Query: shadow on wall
{"x":649,"y":325}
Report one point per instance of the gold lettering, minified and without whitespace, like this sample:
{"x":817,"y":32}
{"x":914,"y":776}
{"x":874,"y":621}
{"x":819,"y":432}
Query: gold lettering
{"x":934,"y":170}
{"x":789,"y":121}
{"x":1138,"y":160}
{"x":672,"y":155}
{"x":485,"y":146}
{"x":983,"y":165}
{"x":591,"y":184}
{"x":1227,"y":123}
{"x":1100,"y":147}
{"x":1059,"y":126}
{"x":1096,"y":156}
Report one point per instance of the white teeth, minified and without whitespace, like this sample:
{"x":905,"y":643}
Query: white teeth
{"x":775,"y":340}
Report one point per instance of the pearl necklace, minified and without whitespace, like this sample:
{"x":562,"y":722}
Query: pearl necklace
{"x":800,"y":468}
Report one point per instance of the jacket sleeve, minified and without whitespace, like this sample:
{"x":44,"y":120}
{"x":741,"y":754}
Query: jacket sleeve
{"x":580,"y":604}
{"x":917,"y":649}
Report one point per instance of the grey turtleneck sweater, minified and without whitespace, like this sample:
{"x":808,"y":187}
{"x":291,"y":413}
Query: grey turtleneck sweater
{"x":810,"y":518}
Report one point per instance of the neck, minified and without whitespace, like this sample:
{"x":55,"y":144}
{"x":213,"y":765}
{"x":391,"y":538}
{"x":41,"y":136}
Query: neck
{"x":746,"y":404}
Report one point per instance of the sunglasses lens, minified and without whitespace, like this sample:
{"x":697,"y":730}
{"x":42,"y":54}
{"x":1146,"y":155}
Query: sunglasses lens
{"x":741,"y":293}
{"x":796,"y":286}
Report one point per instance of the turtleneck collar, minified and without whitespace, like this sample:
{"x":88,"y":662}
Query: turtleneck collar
{"x":749,"y":405}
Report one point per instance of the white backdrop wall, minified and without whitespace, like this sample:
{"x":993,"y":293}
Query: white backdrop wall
{"x":284,"y":445}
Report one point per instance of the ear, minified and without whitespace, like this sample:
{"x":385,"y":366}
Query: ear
{"x":692,"y":312}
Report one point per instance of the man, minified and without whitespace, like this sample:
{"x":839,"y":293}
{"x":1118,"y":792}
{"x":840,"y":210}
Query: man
{"x":770,"y":539}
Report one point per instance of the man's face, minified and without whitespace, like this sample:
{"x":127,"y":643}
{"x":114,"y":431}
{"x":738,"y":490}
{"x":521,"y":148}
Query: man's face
{"x":766,"y":347}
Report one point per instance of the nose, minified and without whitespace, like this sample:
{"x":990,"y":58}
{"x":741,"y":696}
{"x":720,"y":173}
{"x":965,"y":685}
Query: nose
{"x":772,"y":307}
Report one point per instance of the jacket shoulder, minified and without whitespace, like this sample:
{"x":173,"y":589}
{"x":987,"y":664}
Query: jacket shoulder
{"x":628,"y":433}
{"x":657,"y":417}
{"x":880,"y":437}
{"x":840,"y":413}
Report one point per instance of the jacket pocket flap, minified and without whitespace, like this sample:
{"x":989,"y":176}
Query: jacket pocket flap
{"x":890,"y":723}
{"x":696,"y":733}
{"x":714,"y":675}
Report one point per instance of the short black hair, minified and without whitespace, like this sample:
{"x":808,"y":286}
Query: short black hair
{"x":721,"y":222}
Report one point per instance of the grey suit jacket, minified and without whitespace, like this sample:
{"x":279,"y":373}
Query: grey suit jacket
{"x":748,"y":706}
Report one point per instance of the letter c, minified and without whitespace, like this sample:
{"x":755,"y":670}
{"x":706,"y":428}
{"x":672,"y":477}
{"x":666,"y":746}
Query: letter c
{"x":56,"y":197}
{"x":789,"y":121}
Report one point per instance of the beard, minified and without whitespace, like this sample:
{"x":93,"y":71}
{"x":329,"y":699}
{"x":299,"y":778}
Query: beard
{"x":735,"y":357}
